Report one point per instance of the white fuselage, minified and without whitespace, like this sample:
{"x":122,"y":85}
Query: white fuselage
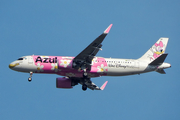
{"x":100,"y":66}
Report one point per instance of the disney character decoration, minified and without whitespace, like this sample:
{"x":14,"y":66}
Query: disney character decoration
{"x":157,"y":50}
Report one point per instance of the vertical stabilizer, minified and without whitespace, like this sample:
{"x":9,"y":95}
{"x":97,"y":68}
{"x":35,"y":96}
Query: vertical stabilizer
{"x":155,"y":51}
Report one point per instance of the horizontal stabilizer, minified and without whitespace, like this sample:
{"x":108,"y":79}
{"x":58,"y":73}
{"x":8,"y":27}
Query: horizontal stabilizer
{"x":159,"y":60}
{"x":161,"y":71}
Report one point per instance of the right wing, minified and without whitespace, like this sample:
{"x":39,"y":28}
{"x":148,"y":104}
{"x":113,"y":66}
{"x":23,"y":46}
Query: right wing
{"x":83,"y":60}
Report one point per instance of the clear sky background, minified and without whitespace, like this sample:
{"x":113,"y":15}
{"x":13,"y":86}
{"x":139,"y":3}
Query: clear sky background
{"x":65,"y":28}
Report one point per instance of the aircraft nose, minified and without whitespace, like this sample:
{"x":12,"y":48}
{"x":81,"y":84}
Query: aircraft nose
{"x":12,"y":65}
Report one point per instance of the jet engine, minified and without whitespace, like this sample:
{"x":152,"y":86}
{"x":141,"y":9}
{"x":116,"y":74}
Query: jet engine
{"x":65,"y":83}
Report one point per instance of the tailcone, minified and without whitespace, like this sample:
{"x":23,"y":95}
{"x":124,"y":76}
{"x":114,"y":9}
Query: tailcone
{"x":164,"y":66}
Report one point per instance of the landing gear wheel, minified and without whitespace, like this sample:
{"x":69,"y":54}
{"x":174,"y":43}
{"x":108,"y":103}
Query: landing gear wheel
{"x":85,"y":73}
{"x":84,"y":87}
{"x":29,"y":79}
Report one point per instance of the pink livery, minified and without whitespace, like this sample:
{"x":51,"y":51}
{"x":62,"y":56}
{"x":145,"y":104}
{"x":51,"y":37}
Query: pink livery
{"x":81,"y":68}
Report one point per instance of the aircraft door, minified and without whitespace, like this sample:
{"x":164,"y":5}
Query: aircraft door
{"x":30,"y":60}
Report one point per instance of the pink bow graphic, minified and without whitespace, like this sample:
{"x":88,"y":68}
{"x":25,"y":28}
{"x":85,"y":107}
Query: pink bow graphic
{"x":160,"y":44}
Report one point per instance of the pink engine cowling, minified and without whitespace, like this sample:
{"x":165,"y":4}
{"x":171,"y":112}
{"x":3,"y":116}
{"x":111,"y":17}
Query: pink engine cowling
{"x":63,"y":83}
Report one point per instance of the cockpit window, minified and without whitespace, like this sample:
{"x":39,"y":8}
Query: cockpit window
{"x":20,"y":59}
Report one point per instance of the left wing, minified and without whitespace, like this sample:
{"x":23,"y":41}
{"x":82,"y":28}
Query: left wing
{"x":83,"y":60}
{"x":93,"y":86}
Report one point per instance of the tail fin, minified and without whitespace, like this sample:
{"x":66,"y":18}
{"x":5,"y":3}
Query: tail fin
{"x":155,"y":51}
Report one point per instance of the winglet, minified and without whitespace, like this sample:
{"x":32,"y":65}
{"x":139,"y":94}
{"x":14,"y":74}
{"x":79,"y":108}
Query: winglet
{"x":104,"y":85}
{"x":108,"y":29}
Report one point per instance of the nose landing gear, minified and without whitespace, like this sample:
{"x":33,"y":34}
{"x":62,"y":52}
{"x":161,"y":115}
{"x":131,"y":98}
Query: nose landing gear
{"x":30,"y":78}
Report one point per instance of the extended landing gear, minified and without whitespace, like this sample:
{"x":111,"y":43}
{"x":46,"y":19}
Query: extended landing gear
{"x":85,"y":79}
{"x":85,"y":73}
{"x":84,"y":87}
{"x":30,"y":78}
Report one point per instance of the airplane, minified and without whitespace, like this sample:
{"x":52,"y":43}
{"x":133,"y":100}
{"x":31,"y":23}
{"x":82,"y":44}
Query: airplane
{"x":86,"y":65}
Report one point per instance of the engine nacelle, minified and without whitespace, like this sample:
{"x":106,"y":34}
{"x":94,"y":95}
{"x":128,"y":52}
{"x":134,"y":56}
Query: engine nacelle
{"x":63,"y":83}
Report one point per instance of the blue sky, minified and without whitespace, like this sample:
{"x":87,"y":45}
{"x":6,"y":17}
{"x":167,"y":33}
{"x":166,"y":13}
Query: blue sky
{"x":65,"y":28}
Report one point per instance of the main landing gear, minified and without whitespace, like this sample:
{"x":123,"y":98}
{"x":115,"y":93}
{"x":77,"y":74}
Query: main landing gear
{"x":84,"y":73}
{"x":30,"y":78}
{"x":85,"y":79}
{"x":85,"y":83}
{"x":84,"y":87}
